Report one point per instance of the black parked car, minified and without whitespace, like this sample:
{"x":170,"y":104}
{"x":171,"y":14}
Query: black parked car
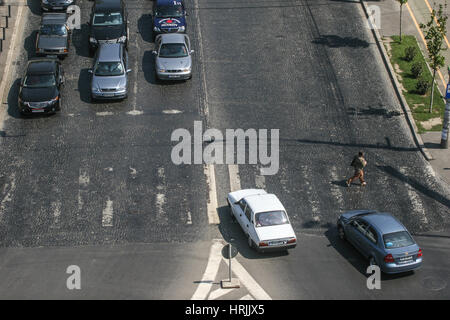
{"x":56,"y":5}
{"x":40,"y":86}
{"x":53,"y":36}
{"x":108,"y":23}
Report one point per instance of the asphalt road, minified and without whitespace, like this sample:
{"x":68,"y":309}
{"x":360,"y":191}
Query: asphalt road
{"x":95,"y":186}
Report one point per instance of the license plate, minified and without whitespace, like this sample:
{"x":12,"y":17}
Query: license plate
{"x":37,"y":110}
{"x":108,"y":94}
{"x":57,"y":8}
{"x":277,"y":243}
{"x":174,"y":76}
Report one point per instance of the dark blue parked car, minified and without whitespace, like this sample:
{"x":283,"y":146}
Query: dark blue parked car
{"x":382,"y":239}
{"x":169,"y":16}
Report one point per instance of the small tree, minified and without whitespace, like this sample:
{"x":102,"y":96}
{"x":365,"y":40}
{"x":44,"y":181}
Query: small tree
{"x":434,"y":35}
{"x":402,"y":2}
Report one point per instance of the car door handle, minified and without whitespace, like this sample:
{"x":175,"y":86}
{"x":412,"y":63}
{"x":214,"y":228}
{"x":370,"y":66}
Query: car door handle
{"x":240,"y":215}
{"x":247,"y":226}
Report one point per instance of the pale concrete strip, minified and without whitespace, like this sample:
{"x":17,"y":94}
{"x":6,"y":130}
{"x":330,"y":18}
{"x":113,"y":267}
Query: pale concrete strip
{"x":213,"y":217}
{"x":56,"y":208}
{"x":161,"y":198}
{"x":247,"y":297}
{"x":336,"y":191}
{"x":107,"y":215}
{"x":11,"y":53}
{"x":235,"y":180}
{"x":260,"y":182}
{"x":216,"y":294}
{"x":205,"y":285}
{"x":247,"y":280}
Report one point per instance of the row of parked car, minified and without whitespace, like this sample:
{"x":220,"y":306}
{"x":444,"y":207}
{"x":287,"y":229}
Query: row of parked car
{"x":40,"y":87}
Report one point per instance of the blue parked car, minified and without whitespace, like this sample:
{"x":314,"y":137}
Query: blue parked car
{"x":382,"y":239}
{"x":169,"y":16}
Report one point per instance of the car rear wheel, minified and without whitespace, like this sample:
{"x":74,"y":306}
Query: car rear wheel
{"x":250,"y":242}
{"x":341,"y":233}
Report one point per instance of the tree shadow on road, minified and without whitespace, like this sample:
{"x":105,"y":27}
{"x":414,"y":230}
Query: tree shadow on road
{"x":334,"y":41}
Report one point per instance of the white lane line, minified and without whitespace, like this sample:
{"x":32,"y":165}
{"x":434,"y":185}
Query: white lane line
{"x":107,"y":215}
{"x":205,"y":285}
{"x":312,"y":199}
{"x":247,"y":297}
{"x":135,"y":112}
{"x":189,"y":218}
{"x":219,"y":293}
{"x":260,"y":182}
{"x":172,"y":111}
{"x":104,"y":113}
{"x":11,"y":52}
{"x":9,"y":189}
{"x":56,"y":208}
{"x":212,"y":205}
{"x":247,"y":280}
{"x":83,"y":183}
{"x":416,"y":202}
{"x":161,"y":198}
{"x":335,"y":190}
{"x":235,"y":181}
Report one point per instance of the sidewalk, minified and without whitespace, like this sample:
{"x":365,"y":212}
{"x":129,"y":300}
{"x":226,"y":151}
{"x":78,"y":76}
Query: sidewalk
{"x":415,"y":13}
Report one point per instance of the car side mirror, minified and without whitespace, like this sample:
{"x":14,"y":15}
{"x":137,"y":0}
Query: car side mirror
{"x":90,"y":71}
{"x":129,"y":70}
{"x":154,"y":52}
{"x":192,"y":51}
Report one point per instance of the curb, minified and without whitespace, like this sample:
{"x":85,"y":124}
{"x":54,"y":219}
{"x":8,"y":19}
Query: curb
{"x":8,"y":65}
{"x":408,"y":114}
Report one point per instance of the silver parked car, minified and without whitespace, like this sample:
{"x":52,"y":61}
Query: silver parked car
{"x":110,"y":72}
{"x":173,"y":57}
{"x":382,"y":239}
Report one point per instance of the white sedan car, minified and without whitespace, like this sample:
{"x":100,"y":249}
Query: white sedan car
{"x":263,"y":219}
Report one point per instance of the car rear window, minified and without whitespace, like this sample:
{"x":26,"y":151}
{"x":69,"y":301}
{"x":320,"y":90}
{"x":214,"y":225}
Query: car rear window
{"x":397,"y":240}
{"x":270,"y":218}
{"x":53,"y":30}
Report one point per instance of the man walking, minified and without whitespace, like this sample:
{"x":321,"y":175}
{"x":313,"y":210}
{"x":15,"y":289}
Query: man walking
{"x":358,"y":163}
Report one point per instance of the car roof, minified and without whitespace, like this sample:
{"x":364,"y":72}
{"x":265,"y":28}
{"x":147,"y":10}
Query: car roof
{"x":167,"y":2}
{"x":54,"y":18}
{"x":173,"y":38}
{"x":41,"y":66}
{"x":264,"y":202}
{"x":109,"y":52}
{"x":384,"y":222}
{"x":107,"y":5}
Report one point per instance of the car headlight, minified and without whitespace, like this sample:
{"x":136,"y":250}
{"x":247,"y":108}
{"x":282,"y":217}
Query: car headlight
{"x":182,"y":28}
{"x":156,"y":29}
{"x":53,"y":100}
{"x":45,"y":1}
{"x":122,"y":39}
{"x":187,"y":69}
{"x":121,"y":88}
{"x":93,"y":40}
{"x":97,"y":90}
{"x":162,"y":70}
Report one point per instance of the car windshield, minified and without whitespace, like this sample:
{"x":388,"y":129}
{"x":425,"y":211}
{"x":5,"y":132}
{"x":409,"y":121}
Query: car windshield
{"x":270,"y":218}
{"x":173,"y":50}
{"x":169,"y":11}
{"x":53,"y":30}
{"x":107,"y":19}
{"x":39,"y":81}
{"x":105,"y":69}
{"x":397,"y":240}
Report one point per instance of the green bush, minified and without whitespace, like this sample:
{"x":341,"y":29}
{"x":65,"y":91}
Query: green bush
{"x":417,"y":69}
{"x":422,"y":86}
{"x":410,"y":53}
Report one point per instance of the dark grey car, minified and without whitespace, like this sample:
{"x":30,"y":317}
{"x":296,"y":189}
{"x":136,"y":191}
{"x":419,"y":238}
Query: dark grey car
{"x":53,"y":37}
{"x":382,"y":239}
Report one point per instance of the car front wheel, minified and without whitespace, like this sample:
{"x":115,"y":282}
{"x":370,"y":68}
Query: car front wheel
{"x":341,"y":233}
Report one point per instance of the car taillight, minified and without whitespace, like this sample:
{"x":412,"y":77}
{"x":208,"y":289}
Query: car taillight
{"x":389,"y":258}
{"x":263,"y":244}
{"x":419,"y":255}
{"x":292,"y":240}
